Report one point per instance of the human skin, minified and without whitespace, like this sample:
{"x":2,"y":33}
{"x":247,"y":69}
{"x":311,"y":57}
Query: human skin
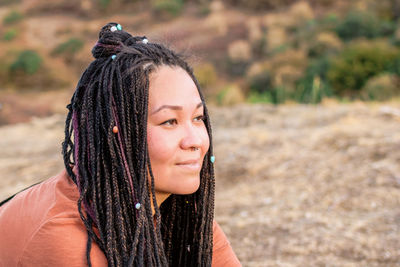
{"x":177,"y":137}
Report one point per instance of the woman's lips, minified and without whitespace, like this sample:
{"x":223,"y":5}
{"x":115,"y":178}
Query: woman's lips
{"x":191,"y":165}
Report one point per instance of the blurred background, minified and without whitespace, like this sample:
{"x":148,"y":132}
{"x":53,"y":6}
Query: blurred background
{"x":304,"y":99}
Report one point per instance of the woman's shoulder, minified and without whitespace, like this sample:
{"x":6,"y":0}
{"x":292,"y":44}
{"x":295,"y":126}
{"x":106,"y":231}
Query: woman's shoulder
{"x":56,"y":196}
{"x":223,"y":254}
{"x":60,"y":241}
{"x":46,"y":210}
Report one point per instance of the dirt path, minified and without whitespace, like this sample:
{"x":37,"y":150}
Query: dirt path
{"x":296,"y":185}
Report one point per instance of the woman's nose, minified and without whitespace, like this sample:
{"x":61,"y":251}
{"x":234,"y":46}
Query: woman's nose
{"x":191,"y":137}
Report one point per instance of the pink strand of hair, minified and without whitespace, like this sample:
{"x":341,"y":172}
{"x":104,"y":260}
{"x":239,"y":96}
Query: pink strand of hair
{"x":123,"y":152}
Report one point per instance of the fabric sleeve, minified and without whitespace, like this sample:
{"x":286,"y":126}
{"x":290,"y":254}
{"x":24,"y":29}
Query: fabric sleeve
{"x":223,"y":254}
{"x":61,"y":242}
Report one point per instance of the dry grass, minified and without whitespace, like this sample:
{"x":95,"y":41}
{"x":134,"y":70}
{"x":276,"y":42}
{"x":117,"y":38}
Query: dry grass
{"x":296,"y":185}
{"x":310,"y":185}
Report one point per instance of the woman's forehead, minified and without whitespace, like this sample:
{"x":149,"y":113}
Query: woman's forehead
{"x":172,"y":86}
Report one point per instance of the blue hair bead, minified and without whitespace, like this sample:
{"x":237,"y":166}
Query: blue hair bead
{"x":119,"y":27}
{"x":212,"y":159}
{"x":113,"y":57}
{"x":137,"y":206}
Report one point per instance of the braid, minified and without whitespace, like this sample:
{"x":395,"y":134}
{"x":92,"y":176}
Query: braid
{"x":113,"y":171}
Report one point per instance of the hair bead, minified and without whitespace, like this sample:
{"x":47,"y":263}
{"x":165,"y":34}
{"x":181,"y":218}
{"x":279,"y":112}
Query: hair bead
{"x":115,"y":129}
{"x":212,"y":159}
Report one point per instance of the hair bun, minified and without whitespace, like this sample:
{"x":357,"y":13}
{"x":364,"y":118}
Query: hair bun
{"x":109,"y":27}
{"x":111,"y":40}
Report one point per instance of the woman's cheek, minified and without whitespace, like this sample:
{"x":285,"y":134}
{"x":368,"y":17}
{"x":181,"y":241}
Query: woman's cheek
{"x":160,"y":143}
{"x":206,"y":140}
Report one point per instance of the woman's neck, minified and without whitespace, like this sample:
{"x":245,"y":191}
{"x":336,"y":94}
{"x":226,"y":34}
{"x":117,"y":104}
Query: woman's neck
{"x":160,"y":198}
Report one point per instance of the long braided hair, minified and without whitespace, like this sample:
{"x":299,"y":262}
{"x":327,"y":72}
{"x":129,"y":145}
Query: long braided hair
{"x":112,"y":170}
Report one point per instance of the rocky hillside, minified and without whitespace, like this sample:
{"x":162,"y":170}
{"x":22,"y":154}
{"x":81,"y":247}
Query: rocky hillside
{"x":296,"y":185}
{"x":254,"y":51}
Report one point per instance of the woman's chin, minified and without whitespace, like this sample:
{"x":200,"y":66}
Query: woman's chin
{"x":187,"y":187}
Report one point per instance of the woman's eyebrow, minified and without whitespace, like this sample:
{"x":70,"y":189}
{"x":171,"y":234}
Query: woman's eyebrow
{"x":174,"y":107}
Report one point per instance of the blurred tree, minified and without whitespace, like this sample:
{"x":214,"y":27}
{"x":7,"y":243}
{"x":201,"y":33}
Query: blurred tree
{"x":10,"y":34}
{"x":68,"y":49}
{"x":357,"y":63}
{"x":12,"y":17}
{"x":28,"y":62}
{"x":363,"y":24}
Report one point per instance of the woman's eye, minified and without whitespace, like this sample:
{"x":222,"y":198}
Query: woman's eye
{"x":170,"y":122}
{"x":199,"y":118}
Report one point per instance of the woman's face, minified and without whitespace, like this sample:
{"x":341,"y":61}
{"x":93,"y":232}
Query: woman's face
{"x":176,"y":134}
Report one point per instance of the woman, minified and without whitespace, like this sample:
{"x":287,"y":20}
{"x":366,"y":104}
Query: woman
{"x":138,"y":185}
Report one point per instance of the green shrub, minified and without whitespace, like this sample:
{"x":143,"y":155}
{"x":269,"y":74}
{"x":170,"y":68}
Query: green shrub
{"x":12,"y":17}
{"x":26,"y":70}
{"x":362,"y":24}
{"x":68,"y":48}
{"x":329,"y":21}
{"x":263,"y":89}
{"x":10,"y":35}
{"x":230,"y":95}
{"x":255,"y":97}
{"x":261,"y":83}
{"x":357,"y":63}
{"x":7,"y":2}
{"x":311,"y":27}
{"x":394,"y":66}
{"x":381,"y":87}
{"x":313,"y":87}
{"x":171,"y":7}
{"x":27,"y":62}
{"x":280,"y":95}
{"x":312,"y":90}
{"x":236,"y":68}
{"x":104,"y":3}
{"x":276,"y":95}
{"x":387,"y":28}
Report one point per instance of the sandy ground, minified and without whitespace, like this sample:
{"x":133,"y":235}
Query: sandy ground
{"x":296,"y":185}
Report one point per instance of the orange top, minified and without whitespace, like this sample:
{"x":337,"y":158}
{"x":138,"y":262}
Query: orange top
{"x":41,"y":226}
